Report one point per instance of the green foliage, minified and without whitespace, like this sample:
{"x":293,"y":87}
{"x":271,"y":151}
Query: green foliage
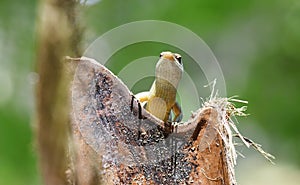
{"x":256,"y":42}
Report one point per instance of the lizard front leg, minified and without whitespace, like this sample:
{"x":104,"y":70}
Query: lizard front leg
{"x":177,"y":112}
{"x":143,"y":97}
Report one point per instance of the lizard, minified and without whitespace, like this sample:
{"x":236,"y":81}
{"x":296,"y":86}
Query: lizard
{"x":161,"y":98}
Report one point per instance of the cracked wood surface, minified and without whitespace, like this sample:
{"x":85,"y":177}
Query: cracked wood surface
{"x":118,"y":142}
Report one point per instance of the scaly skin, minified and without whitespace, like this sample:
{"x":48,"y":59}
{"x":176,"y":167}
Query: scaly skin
{"x":161,"y":98}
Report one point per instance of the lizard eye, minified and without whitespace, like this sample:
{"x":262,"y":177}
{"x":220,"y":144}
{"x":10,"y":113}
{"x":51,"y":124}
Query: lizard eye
{"x":178,"y":57}
{"x":161,"y":54}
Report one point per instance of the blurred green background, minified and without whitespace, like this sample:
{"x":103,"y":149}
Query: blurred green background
{"x":256,"y":42}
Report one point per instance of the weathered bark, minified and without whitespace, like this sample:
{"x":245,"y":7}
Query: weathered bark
{"x":58,"y":36}
{"x":121,"y":143}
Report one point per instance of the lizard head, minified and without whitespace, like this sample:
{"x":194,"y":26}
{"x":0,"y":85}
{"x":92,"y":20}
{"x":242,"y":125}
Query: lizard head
{"x":169,"y":67}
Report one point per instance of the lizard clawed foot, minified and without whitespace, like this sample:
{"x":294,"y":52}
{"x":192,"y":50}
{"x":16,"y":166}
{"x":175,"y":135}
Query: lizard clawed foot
{"x":131,"y":103}
{"x":140,"y":116}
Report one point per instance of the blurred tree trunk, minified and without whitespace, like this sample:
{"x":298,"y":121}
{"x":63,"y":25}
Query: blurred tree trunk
{"x":58,"y":36}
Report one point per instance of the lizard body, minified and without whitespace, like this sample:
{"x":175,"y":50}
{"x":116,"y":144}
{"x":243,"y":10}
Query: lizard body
{"x":161,"y":98}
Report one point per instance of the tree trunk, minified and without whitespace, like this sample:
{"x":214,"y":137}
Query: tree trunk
{"x":121,"y":143}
